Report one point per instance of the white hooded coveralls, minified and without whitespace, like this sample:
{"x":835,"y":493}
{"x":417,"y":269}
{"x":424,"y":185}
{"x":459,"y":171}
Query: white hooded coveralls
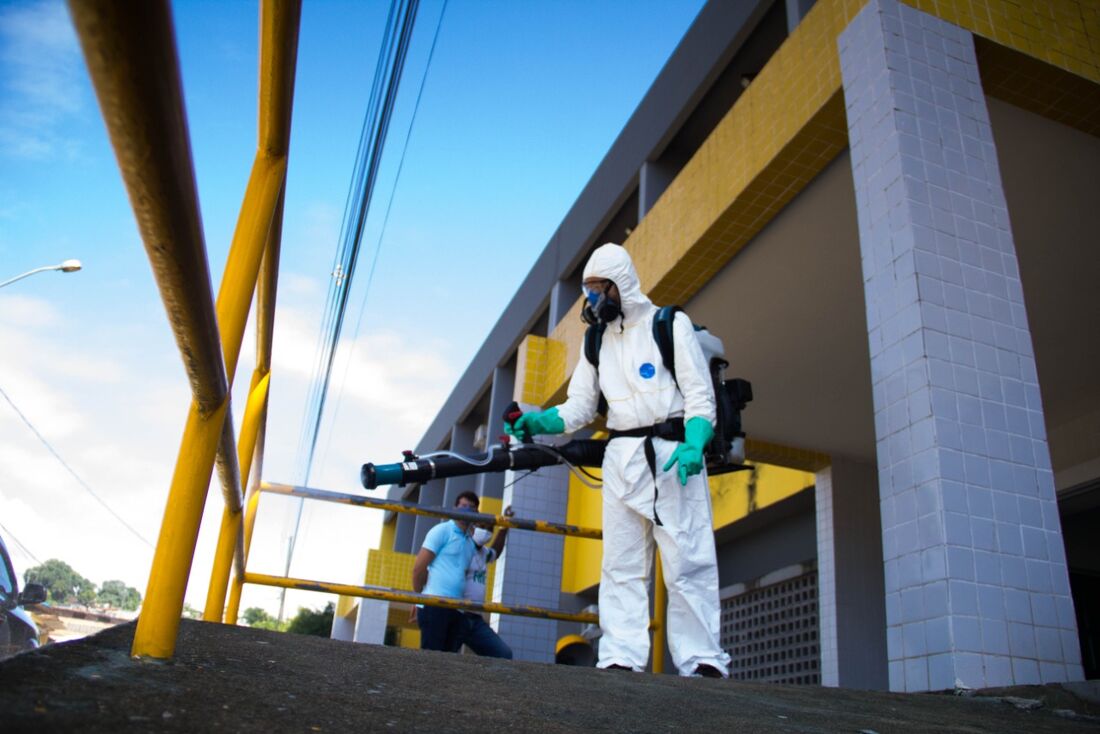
{"x":641,"y":392}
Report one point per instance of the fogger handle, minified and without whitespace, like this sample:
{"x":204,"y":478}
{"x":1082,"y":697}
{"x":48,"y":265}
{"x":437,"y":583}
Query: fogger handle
{"x":512,"y":413}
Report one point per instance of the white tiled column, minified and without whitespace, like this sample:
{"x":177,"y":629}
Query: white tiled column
{"x":977,"y":592}
{"x":529,"y":572}
{"x":491,"y":484}
{"x":852,"y":616}
{"x":370,"y":622}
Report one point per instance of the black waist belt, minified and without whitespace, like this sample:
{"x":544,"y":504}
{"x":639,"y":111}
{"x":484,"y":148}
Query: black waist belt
{"x":670,"y":430}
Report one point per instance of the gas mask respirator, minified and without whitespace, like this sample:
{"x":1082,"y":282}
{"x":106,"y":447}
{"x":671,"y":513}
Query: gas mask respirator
{"x":599,"y":307}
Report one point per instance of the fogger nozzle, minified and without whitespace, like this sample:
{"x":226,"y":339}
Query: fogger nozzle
{"x":525,"y":457}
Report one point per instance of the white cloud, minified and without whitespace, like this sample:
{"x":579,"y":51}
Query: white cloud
{"x":298,"y":285}
{"x":80,"y":406}
{"x":388,"y":375}
{"x":24,"y":326}
{"x":34,"y":397}
{"x":27,"y":312}
{"x":40,"y":80}
{"x":118,"y":423}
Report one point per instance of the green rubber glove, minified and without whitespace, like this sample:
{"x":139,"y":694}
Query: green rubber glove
{"x":535,"y":424}
{"x":689,"y":454}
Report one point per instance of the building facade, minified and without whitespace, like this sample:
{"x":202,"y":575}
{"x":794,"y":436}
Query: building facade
{"x":887,"y":211}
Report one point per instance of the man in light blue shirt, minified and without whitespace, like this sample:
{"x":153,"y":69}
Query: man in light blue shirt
{"x":440,"y":570}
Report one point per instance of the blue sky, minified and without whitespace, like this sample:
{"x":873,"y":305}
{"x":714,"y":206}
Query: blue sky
{"x":520,"y":104}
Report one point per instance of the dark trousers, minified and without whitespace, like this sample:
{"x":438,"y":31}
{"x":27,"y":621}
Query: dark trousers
{"x":449,"y":629}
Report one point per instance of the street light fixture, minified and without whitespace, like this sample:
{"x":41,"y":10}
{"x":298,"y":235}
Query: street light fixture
{"x":68,"y":266}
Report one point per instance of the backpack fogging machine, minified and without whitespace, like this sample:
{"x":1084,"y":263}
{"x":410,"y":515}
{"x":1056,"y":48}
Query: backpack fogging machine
{"x":725,"y":453}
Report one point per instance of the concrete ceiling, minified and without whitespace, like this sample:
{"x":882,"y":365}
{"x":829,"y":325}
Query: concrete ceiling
{"x":790,"y":306}
{"x":790,"y":310}
{"x":1051,"y":175}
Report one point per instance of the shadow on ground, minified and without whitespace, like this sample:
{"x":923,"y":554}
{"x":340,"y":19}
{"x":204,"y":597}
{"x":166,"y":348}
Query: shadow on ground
{"x":236,"y":679}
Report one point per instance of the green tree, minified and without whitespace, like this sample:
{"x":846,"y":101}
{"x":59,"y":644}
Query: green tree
{"x":254,"y":616}
{"x":313,"y":622}
{"x":64,"y":585}
{"x":117,"y":594}
{"x":260,"y":619}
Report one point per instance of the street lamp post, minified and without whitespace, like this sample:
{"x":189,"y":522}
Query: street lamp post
{"x":69,"y":266}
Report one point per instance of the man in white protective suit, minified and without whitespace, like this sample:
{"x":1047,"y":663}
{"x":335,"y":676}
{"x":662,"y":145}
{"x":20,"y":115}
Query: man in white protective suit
{"x":654,"y":478}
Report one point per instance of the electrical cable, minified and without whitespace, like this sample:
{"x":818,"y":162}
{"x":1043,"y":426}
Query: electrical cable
{"x":19,"y":543}
{"x":347,"y":248}
{"x":76,"y":476}
{"x":354,"y":239}
{"x":387,"y":80}
{"x":382,"y":233}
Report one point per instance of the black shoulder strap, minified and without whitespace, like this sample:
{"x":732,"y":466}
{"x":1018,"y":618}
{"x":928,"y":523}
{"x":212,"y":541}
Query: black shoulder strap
{"x":593,"y":339}
{"x":662,"y":334}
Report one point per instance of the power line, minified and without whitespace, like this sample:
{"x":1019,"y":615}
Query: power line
{"x":19,"y":543}
{"x":76,"y":476}
{"x":377,"y":251}
{"x":392,"y":55}
{"x":385,"y":222}
{"x":346,"y":255}
{"x":387,"y":81}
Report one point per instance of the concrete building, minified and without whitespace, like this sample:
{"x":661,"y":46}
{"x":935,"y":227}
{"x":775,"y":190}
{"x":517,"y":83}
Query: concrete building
{"x":888,"y":212}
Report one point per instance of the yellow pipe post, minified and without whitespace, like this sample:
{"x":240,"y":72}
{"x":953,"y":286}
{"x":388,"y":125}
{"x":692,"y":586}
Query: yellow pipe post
{"x":266,"y":290}
{"x":229,"y":539}
{"x":263,"y":193}
{"x":130,"y":51}
{"x":234,"y":301}
{"x":265,"y":185}
{"x":259,"y":227}
{"x":160,"y":615}
{"x":251,"y":507}
{"x":660,"y":615}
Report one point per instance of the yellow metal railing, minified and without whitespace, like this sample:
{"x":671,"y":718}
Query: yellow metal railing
{"x":411,"y":597}
{"x":657,"y":624}
{"x":413,"y":508}
{"x":130,"y":51}
{"x":399,"y":595}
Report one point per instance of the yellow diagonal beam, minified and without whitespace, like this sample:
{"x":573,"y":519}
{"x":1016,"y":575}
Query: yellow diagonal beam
{"x":260,"y":213}
{"x":230,"y":539}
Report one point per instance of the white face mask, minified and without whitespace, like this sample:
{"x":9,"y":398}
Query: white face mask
{"x":481,"y":535}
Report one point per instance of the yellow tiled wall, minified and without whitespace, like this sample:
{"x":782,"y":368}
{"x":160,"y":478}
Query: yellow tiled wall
{"x":493,"y":506}
{"x":581,"y":557}
{"x":389,"y":569}
{"x":408,"y":633}
{"x":772,"y":453}
{"x":1064,"y":33}
{"x":733,"y":497}
{"x":790,"y":123}
{"x":737,"y":495}
{"x":540,"y":363}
